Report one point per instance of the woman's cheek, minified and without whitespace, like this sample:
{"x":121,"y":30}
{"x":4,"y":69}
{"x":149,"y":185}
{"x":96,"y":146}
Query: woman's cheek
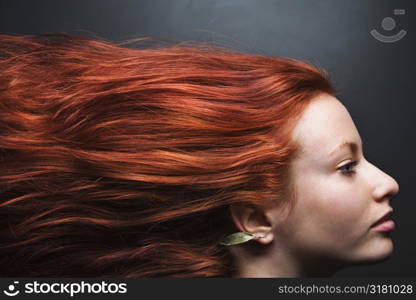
{"x":339,"y":213}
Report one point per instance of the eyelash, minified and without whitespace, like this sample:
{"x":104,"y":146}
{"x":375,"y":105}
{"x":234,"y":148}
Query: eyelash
{"x":348,"y":172}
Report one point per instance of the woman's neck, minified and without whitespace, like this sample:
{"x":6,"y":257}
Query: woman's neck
{"x":278,"y":263}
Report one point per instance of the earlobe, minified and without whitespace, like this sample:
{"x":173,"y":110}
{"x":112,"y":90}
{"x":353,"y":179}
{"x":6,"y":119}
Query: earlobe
{"x":265,"y":238}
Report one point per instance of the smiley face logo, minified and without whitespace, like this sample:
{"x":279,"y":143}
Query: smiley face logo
{"x":389,"y":24}
{"x":11,"y":291}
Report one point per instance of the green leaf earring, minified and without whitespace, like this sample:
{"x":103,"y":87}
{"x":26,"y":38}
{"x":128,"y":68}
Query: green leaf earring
{"x":238,"y":238}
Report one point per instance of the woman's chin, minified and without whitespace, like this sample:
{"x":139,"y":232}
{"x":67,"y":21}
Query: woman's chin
{"x":378,"y":250}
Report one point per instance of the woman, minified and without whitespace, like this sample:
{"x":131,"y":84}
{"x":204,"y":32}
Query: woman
{"x":178,"y":161}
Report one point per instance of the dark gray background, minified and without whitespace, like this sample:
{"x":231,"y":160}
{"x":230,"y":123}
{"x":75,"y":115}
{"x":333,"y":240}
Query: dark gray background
{"x":375,"y":80}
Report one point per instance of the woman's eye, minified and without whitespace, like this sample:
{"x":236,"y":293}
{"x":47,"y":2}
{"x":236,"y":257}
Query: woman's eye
{"x":348,"y":168}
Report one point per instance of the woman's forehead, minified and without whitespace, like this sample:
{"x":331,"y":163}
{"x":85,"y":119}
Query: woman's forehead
{"x":324,"y":124}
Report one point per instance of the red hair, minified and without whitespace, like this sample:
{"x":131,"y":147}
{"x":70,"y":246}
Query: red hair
{"x":122,"y":162}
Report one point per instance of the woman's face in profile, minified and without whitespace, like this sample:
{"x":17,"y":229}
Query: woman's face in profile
{"x":339,"y":194}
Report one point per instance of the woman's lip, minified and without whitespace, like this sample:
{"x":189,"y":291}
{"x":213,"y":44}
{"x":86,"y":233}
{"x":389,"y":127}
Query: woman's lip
{"x":384,"y":218}
{"x":387,"y":225}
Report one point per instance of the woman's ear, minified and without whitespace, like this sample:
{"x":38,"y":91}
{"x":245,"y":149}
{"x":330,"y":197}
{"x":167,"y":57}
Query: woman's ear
{"x":252,"y":220}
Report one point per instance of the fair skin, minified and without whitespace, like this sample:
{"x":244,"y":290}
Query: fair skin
{"x":336,"y":203}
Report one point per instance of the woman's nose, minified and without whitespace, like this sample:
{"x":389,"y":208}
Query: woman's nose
{"x":386,"y":186}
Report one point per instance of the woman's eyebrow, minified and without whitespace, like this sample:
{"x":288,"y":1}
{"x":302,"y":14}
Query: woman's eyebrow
{"x":353,"y":147}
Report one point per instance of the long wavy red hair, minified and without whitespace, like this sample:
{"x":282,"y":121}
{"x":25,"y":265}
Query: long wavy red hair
{"x":123,"y":161}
